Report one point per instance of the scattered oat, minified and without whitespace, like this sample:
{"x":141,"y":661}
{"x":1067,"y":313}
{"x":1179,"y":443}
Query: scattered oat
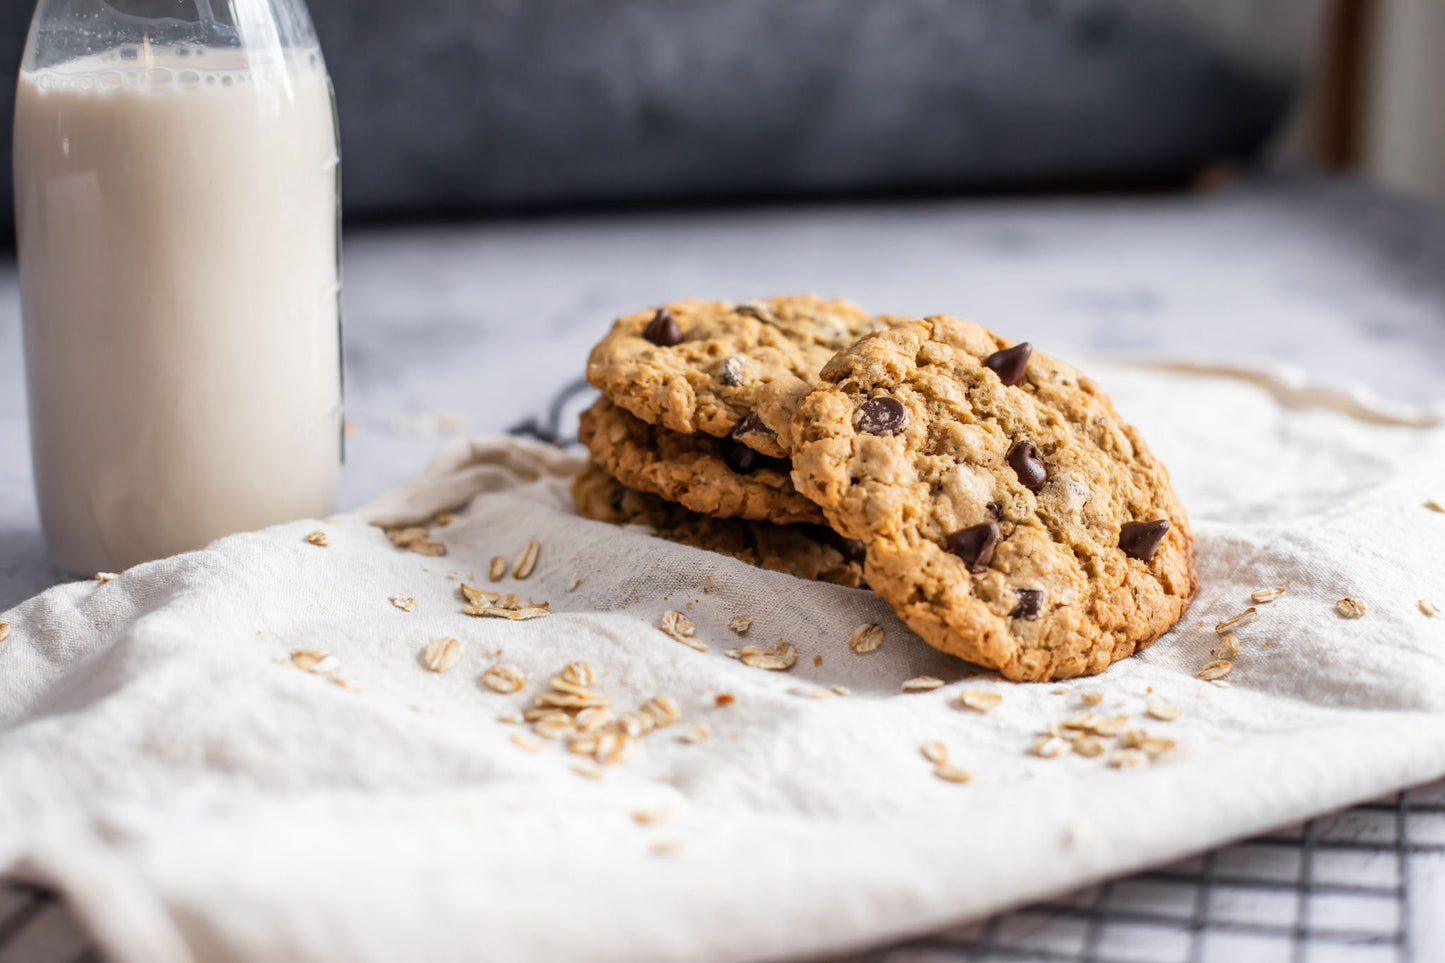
{"x":650,"y":817}
{"x":1092,"y":698}
{"x":696,"y":734}
{"x":680,"y":628}
{"x":1129,"y":759}
{"x":1090,"y":746}
{"x":315,"y":661}
{"x":1050,"y":747}
{"x":667,"y":847}
{"x":573,"y":585}
{"x":724,"y":699}
{"x":1266,"y":594}
{"x":498,"y":612}
{"x":442,"y":655}
{"x":415,"y":538}
{"x":106,"y":576}
{"x":576,"y":674}
{"x":348,"y":685}
{"x":866,"y":638}
{"x":503,"y":678}
{"x":510,"y":718}
{"x":979,"y":701}
{"x":4,"y":631}
{"x":921,"y":683}
{"x":404,"y":602}
{"x":589,"y":769}
{"x":318,"y":539}
{"x":778,"y":657}
{"x":498,"y":571}
{"x":1059,"y":690}
{"x":663,"y":709}
{"x":810,"y":692}
{"x":1435,"y":505}
{"x":740,"y":624}
{"x":949,"y":773}
{"x":1236,"y":621}
{"x":1228,"y":646}
{"x":1427,"y":608}
{"x":526,"y":742}
{"x":1217,"y":669}
{"x":527,"y":560}
{"x":842,"y":690}
{"x":1350,"y":607}
{"x":479,"y":596}
{"x":935,"y":752}
{"x":1163,"y":711}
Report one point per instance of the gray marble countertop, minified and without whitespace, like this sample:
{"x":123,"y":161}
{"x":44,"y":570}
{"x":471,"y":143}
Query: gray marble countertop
{"x":473,"y":328}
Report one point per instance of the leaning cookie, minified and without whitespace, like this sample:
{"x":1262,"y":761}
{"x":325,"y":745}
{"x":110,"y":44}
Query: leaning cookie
{"x":811,"y":552}
{"x":701,"y":366}
{"x":1008,"y":514}
{"x":714,"y":476}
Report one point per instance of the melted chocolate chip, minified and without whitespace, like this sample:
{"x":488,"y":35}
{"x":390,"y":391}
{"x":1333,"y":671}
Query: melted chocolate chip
{"x":993,"y":509}
{"x":881,"y":416}
{"x":732,"y":371}
{"x":662,"y":330}
{"x":975,"y":545}
{"x":743,"y":460}
{"x":752,"y":425}
{"x":1029,"y":602}
{"x":1010,"y":363}
{"x":1140,"y":539}
{"x":1028,"y":464}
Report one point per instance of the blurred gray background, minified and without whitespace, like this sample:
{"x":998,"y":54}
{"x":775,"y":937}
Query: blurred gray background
{"x":451,"y":107}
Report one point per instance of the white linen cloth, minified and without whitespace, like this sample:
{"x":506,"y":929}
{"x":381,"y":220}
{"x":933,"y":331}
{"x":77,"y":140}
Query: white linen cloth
{"x":197,"y":798}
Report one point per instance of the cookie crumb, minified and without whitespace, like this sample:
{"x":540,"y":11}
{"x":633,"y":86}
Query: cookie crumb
{"x":498,"y":569}
{"x":1237,"y":621}
{"x":1350,"y":607}
{"x":1217,"y":669}
{"x":4,"y":631}
{"x":442,"y":655}
{"x":318,"y":538}
{"x":866,"y":638}
{"x":979,"y":701}
{"x":1427,"y":608}
{"x":740,"y":624}
{"x":527,"y":560}
{"x":724,"y":699}
{"x":921,"y":683}
{"x":1266,"y":594}
{"x":106,"y":576}
{"x":404,"y":602}
{"x":503,"y":678}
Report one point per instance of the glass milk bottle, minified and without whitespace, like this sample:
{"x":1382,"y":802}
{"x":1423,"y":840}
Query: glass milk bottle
{"x":176,"y":196}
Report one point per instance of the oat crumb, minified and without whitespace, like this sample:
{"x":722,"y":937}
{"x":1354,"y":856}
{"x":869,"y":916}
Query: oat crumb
{"x":319,"y":539}
{"x":778,"y":657}
{"x":106,"y":576}
{"x":1129,"y":759}
{"x":680,"y":628}
{"x":1427,"y":608}
{"x":526,"y":742}
{"x":1217,"y":669}
{"x":1089,"y":746}
{"x":696,"y":734}
{"x":1435,"y":505}
{"x":442,"y":655}
{"x":651,"y":817}
{"x":503,"y":678}
{"x":724,"y":699}
{"x":842,"y":690}
{"x":1163,"y":711}
{"x":740,"y":624}
{"x":980,"y":701}
{"x":1266,"y":594}
{"x":527,"y":561}
{"x":4,"y":631}
{"x":1050,"y":747}
{"x":498,"y":569}
{"x":922,"y":683}
{"x":576,"y":582}
{"x":404,"y":602}
{"x":866,"y":638}
{"x":1229,"y":646}
{"x":1236,"y":621}
{"x":314,"y":661}
{"x":1350,"y":607}
{"x":935,"y":752}
{"x":950,"y":773}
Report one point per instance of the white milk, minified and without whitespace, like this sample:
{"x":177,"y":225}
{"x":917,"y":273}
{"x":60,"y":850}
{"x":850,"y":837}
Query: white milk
{"x":178,"y":255}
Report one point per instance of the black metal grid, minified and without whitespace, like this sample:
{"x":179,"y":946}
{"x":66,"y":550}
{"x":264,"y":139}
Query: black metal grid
{"x":1335,"y":890}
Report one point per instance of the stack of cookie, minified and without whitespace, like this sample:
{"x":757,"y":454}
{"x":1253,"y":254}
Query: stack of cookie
{"x":990,"y":493}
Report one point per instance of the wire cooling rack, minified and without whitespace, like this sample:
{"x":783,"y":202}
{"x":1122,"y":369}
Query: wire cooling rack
{"x":1366,"y":885}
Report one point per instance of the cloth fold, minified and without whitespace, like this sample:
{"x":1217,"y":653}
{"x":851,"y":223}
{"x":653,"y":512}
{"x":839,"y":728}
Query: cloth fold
{"x":198,"y":796}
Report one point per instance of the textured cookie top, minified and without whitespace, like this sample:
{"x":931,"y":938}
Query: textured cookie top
{"x":702,"y":366}
{"x":714,"y":476}
{"x":807,"y":551}
{"x":1008,"y":514}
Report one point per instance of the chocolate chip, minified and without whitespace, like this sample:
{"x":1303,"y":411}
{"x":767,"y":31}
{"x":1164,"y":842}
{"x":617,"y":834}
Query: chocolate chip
{"x":752,"y":425}
{"x":1029,"y":602}
{"x":662,"y":330}
{"x":1140,"y":539}
{"x":743,"y":460}
{"x":732,"y":371}
{"x":1028,"y":464}
{"x":993,"y":509}
{"x":754,"y":310}
{"x":881,"y":416}
{"x":1010,"y":363}
{"x":975,"y":545}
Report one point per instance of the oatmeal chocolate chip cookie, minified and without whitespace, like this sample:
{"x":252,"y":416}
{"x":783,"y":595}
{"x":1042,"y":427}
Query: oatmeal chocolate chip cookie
{"x":700,"y":366}
{"x":714,"y":476}
{"x":1009,"y":515}
{"x":812,"y":552}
